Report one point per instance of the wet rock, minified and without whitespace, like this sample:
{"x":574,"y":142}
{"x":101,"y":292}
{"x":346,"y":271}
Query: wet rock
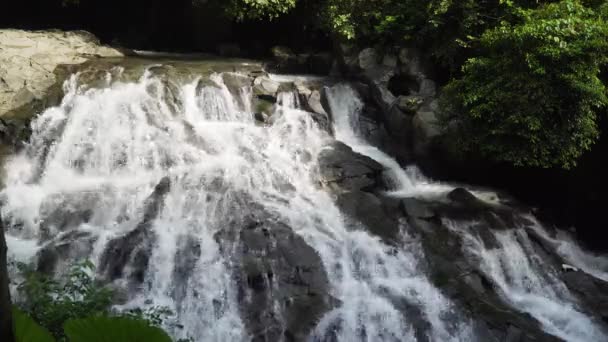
{"x":390,"y":61}
{"x":28,"y":61}
{"x":417,"y":209}
{"x":514,"y":334}
{"x":592,"y":292}
{"x":463,"y":197}
{"x":368,"y":210}
{"x":425,"y":128}
{"x":188,"y":253}
{"x":428,"y":88}
{"x":265,"y":86}
{"x":284,"y":59}
{"x":314,"y":103}
{"x":410,"y":104}
{"x":411,"y":61}
{"x":342,"y":168}
{"x":135,"y":247}
{"x":453,"y":273}
{"x":235,"y":82}
{"x":60,"y":218}
{"x":60,"y":252}
{"x":283,"y":287}
{"x":465,"y":206}
{"x":368,"y":58}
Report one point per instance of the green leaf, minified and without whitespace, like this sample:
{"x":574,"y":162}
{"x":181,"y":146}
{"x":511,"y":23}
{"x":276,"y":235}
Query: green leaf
{"x":113,"y":329}
{"x":26,"y":330}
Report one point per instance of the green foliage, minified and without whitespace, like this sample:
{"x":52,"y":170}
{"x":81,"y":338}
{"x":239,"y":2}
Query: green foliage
{"x":531,"y":98}
{"x":27,"y":330}
{"x":51,"y":303}
{"x":394,"y":20}
{"x":113,"y":329}
{"x":92,"y":329}
{"x":258,"y":9}
{"x":75,"y":303}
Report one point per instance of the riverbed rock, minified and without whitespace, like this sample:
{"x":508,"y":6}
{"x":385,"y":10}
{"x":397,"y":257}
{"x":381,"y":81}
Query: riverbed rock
{"x":410,"y":104}
{"x":28,"y":59}
{"x":264,"y":86}
{"x":425,"y":128}
{"x":369,"y":212}
{"x":417,"y":208}
{"x":135,"y":248}
{"x":593,"y":292}
{"x":458,"y":277}
{"x":278,"y":275}
{"x":368,"y":58}
{"x":31,"y":75}
{"x":342,"y":169}
{"x":235,"y":82}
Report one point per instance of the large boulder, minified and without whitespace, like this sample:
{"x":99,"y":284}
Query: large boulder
{"x":31,"y":78}
{"x":368,"y":211}
{"x":265,"y":86}
{"x":593,"y":292}
{"x":28,"y":59}
{"x":342,"y":169}
{"x":283,"y":290}
{"x":135,"y":248}
{"x":425,"y":127}
{"x":368,"y":58}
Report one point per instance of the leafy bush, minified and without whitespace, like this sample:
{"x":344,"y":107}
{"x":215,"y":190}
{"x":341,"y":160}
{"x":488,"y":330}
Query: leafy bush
{"x":531,"y":98}
{"x":113,"y":329}
{"x":27,"y":330}
{"x":258,"y":9}
{"x":92,"y":329}
{"x":75,"y":303}
{"x":51,"y":303}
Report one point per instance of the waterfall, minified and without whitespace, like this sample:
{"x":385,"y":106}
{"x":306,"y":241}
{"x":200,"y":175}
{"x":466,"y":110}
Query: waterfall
{"x":346,"y":108}
{"x":528,"y":283}
{"x":164,"y":186}
{"x":525,"y":280}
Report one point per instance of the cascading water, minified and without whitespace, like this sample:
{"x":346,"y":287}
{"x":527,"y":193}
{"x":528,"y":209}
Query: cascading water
{"x":103,"y":151}
{"x":409,"y":182}
{"x":528,"y":283}
{"x":161,"y":187}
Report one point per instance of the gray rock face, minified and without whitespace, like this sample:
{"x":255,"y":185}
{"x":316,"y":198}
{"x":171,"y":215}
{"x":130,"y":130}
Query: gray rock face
{"x":593,"y":292}
{"x":265,"y":86}
{"x":135,"y":247}
{"x":314,"y":103}
{"x":369,"y":210}
{"x":425,"y":128}
{"x":368,"y":58}
{"x":275,"y":270}
{"x":458,"y":276}
{"x":28,"y":59}
{"x":344,"y":170}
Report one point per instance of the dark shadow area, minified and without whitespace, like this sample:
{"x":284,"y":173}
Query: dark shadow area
{"x":573,"y":198}
{"x":176,"y":25}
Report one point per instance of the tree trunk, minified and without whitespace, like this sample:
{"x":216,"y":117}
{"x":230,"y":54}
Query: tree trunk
{"x":6,"y":317}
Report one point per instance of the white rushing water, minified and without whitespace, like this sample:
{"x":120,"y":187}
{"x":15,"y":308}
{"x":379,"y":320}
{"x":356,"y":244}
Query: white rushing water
{"x":94,"y":160}
{"x":406,"y":182}
{"x":527,"y":282}
{"x":102,"y":151}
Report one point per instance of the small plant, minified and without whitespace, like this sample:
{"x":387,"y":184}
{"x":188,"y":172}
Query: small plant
{"x":52,"y":302}
{"x":77,"y":308}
